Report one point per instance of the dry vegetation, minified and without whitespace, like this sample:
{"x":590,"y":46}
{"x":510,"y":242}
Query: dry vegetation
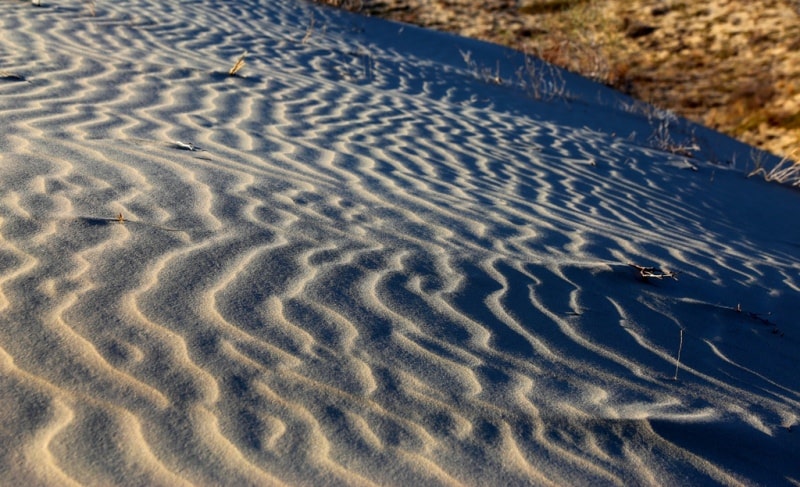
{"x":733,"y":65}
{"x":234,"y":71}
{"x":786,"y":172}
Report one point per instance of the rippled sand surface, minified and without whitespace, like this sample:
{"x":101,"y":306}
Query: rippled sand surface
{"x":361,"y":262}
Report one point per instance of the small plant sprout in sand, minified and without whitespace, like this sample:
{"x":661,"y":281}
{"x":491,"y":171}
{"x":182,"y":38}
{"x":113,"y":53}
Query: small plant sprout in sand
{"x":238,"y":66}
{"x":120,"y":219}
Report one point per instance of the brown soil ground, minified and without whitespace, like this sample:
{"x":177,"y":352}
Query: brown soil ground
{"x":733,"y":65}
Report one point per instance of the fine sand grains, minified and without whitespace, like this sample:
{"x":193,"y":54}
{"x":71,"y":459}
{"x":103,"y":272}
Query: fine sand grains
{"x":352,"y":262}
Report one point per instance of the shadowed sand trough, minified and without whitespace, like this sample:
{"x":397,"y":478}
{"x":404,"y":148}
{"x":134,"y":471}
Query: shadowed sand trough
{"x":376,"y":268}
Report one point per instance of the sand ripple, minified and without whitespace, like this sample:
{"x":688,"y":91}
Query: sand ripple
{"x":368,"y":274}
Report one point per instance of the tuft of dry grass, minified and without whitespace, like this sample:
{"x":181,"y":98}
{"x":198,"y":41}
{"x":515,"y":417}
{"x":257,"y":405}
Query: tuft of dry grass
{"x":238,"y":66}
{"x":787,"y":171}
{"x":542,"y":80}
{"x":662,"y":139}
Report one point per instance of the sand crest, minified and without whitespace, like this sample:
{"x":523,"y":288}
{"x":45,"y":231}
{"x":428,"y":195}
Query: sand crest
{"x":358,"y":262}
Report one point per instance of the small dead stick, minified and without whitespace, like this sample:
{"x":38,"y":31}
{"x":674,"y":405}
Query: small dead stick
{"x":678,"y":361}
{"x":646,"y":272}
{"x":182,"y":146}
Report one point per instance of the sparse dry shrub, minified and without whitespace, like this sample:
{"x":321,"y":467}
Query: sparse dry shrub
{"x":541,"y":80}
{"x":484,"y":73}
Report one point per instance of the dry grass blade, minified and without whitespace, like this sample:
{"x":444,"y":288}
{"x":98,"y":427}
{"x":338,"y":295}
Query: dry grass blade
{"x":238,"y":66}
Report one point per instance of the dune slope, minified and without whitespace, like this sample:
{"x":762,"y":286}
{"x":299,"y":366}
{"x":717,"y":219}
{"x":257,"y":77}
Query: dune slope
{"x":360,"y":261}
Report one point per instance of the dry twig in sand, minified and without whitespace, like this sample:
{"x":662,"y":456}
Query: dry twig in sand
{"x":5,"y":75}
{"x":678,"y":360}
{"x":653,"y":272}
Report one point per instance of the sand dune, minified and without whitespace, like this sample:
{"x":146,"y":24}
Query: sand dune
{"x":358,"y":263}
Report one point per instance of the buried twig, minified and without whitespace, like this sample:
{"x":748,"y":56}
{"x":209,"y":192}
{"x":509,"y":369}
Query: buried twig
{"x":654,"y":272}
{"x":755,"y":316}
{"x":759,"y":318}
{"x":183,"y":146}
{"x":5,"y":75}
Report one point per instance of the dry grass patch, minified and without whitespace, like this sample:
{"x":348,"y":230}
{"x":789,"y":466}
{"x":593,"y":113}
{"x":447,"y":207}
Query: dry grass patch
{"x":733,"y":65}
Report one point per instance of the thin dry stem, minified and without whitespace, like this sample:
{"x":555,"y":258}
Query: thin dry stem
{"x":678,"y":360}
{"x":310,"y":29}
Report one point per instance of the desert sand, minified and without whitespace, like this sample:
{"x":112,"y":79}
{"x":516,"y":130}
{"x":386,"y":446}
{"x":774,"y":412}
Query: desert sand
{"x":363,"y":261}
